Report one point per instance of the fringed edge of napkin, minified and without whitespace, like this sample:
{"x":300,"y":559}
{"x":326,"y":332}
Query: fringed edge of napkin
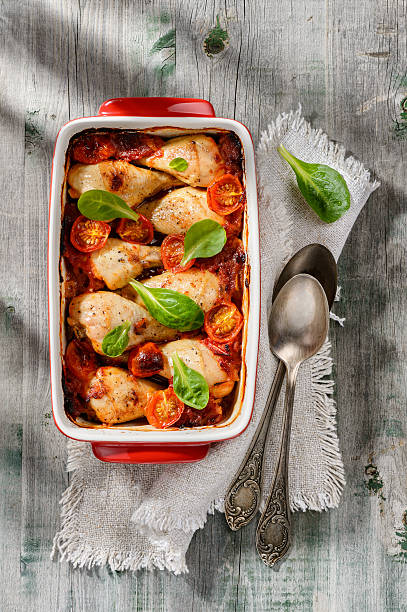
{"x":68,"y":542}
{"x":325,"y":416}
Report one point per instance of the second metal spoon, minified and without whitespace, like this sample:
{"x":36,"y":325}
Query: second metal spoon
{"x":298,"y":327}
{"x":244,"y":495}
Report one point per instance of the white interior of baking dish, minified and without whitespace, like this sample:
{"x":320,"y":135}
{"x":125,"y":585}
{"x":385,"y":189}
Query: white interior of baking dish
{"x":134,"y":432}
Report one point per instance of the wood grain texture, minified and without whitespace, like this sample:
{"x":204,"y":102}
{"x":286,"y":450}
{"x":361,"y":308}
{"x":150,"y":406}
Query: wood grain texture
{"x":346,"y":63}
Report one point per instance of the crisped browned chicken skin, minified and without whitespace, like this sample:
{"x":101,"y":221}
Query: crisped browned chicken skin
{"x":199,"y":151}
{"x":96,"y":314}
{"x":131,"y":183}
{"x":201,"y":286}
{"x":196,"y":355}
{"x":176,"y":211}
{"x":118,"y":261}
{"x":116,"y":396}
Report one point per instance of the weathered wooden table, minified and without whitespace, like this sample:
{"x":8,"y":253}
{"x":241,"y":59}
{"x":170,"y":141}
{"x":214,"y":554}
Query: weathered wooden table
{"x":346,"y":62}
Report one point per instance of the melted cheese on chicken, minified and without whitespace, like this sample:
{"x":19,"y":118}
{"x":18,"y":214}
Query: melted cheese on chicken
{"x":118,"y":262}
{"x":200,"y":152}
{"x":176,"y":211}
{"x":116,"y":396}
{"x":131,"y":183}
{"x":96,"y":314}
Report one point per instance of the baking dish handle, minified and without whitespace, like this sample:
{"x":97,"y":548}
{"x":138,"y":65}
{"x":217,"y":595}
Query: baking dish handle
{"x":140,"y":452}
{"x":156,"y":107}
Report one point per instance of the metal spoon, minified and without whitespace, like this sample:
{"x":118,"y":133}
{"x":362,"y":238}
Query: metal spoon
{"x":316,"y":260}
{"x":244,"y":495}
{"x":298,"y":327}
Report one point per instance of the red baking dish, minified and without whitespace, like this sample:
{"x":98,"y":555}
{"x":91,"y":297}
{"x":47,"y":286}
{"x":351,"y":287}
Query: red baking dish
{"x":142,"y":443}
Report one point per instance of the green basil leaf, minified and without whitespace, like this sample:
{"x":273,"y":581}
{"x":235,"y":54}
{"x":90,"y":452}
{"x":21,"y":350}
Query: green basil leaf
{"x":203,"y":239}
{"x":189,"y":385}
{"x":179,"y":164}
{"x":324,"y":188}
{"x":115,"y":342}
{"x":170,"y":308}
{"x":104,"y":206}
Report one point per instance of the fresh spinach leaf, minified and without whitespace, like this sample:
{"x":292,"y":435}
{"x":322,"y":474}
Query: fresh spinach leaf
{"x":189,"y":385}
{"x":104,"y":206}
{"x":324,"y":188}
{"x":203,"y":239}
{"x":115,"y":342}
{"x":170,"y":308}
{"x":179,"y":164}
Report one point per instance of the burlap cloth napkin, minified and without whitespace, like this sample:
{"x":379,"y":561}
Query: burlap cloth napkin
{"x":135,"y":516}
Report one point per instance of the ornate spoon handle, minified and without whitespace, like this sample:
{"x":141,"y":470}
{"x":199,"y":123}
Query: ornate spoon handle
{"x":273,"y":534}
{"x":243,"y":498}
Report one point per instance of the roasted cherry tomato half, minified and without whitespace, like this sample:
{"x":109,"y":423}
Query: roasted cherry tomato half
{"x":93,"y":148}
{"x":163,"y":408}
{"x":89,"y":235}
{"x":225,"y":195}
{"x":146,"y":360}
{"x":80,"y":359}
{"x":223,"y":322}
{"x":136,"y":232}
{"x":172,"y":252}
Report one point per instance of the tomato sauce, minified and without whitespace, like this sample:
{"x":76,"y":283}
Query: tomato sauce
{"x":228,"y":265}
{"x":233,"y":223}
{"x":95,"y":147}
{"x":80,"y":277}
{"x":210,"y":415}
{"x":231,"y":152}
